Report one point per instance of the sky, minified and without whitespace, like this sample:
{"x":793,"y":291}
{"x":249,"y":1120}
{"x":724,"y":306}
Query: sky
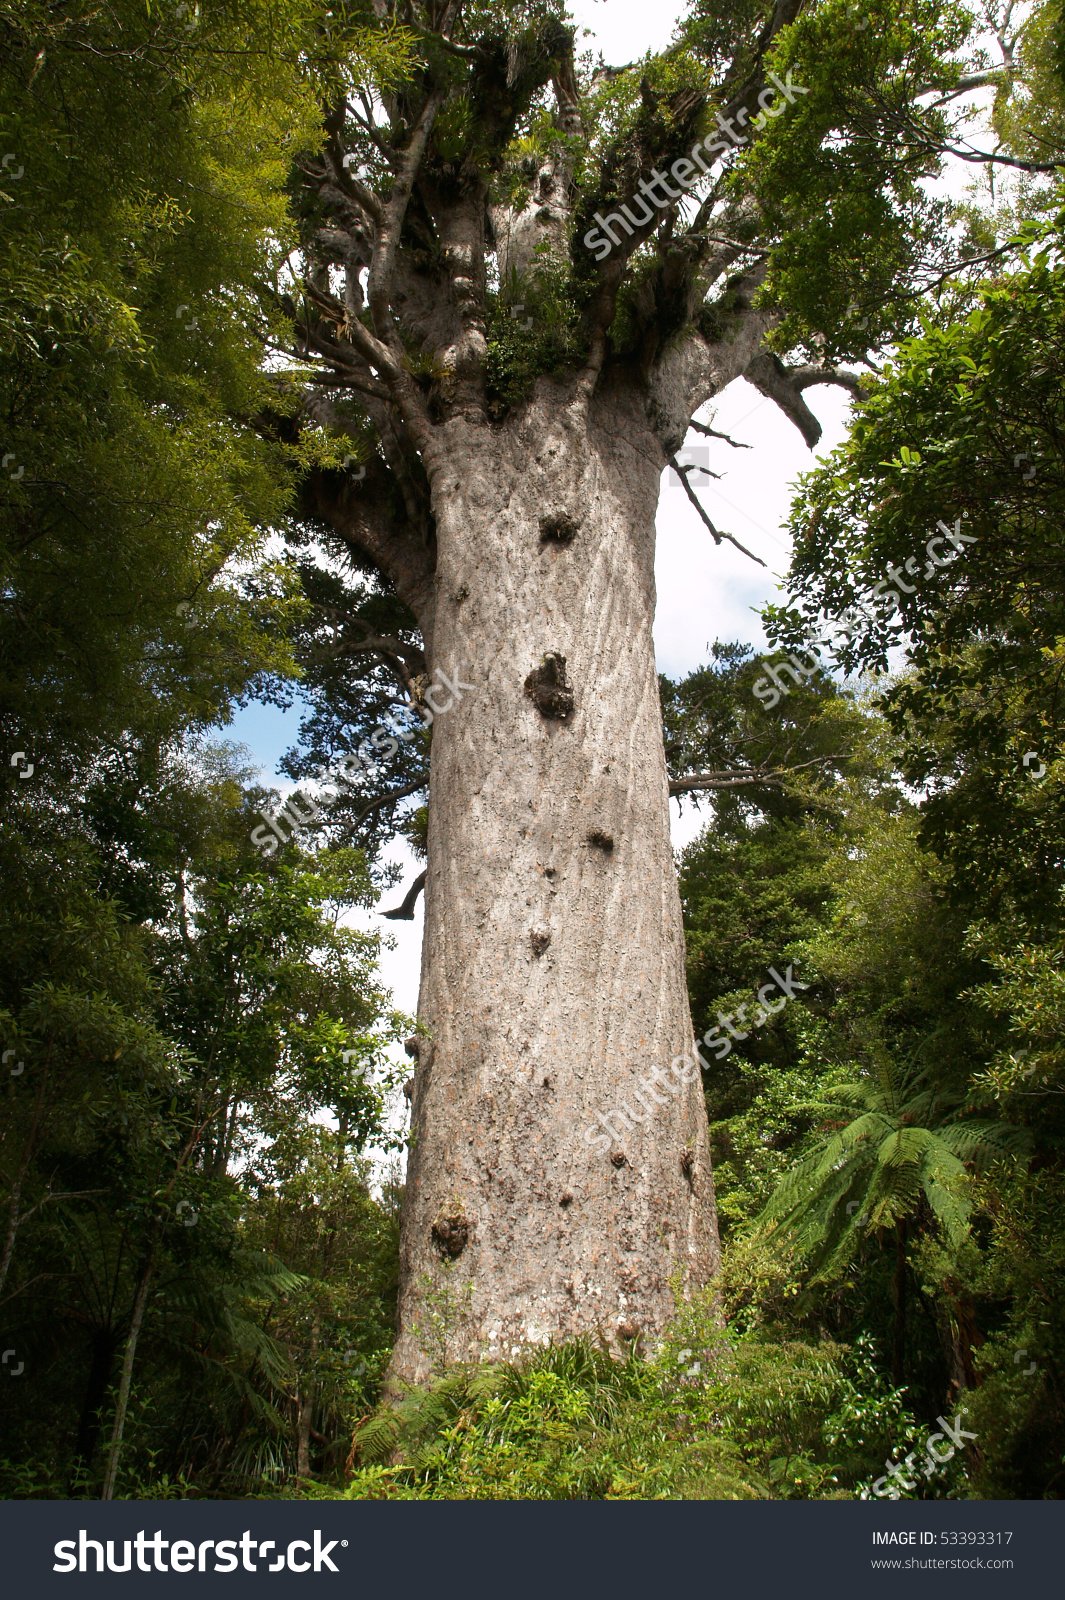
{"x":705,"y":591}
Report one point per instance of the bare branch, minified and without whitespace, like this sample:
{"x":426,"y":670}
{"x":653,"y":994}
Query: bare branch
{"x":687,"y":467}
{"x":992,"y":158}
{"x":405,"y":661}
{"x":465,"y":52}
{"x":338,"y":157}
{"x":740,"y":777}
{"x":344,"y":360}
{"x":974,"y":80}
{"x":717,"y":533}
{"x":391,"y":798}
{"x":711,"y":433}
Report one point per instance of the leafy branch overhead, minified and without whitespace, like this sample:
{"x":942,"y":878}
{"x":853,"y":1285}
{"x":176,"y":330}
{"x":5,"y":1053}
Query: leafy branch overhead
{"x":445,"y":223}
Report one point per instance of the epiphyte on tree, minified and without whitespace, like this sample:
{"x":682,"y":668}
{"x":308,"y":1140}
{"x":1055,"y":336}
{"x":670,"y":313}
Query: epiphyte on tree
{"x":451,"y":1229}
{"x":548,"y":690}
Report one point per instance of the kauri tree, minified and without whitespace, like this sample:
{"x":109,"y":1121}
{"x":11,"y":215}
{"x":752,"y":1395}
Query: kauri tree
{"x":523,"y":274}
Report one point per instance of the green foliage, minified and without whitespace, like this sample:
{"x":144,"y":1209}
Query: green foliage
{"x":870,"y":1142}
{"x":533,"y":328}
{"x":133,"y":330}
{"x":1031,"y":121}
{"x":963,"y":429}
{"x":855,"y":218}
{"x":711,"y":1416}
{"x":166,"y":1122}
{"x":901,"y":1148}
{"x":1017,"y":1406}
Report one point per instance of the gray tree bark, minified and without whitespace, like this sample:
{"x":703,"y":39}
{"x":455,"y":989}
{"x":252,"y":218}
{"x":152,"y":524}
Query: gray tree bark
{"x":553,"y":974}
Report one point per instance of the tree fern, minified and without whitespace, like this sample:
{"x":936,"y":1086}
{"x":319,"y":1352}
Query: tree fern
{"x":901,"y":1159}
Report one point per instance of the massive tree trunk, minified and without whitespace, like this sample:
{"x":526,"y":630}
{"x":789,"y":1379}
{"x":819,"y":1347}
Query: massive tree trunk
{"x":553,"y":975}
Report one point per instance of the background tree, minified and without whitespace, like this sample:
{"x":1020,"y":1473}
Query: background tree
{"x":170,"y":1083}
{"x":839,"y":885}
{"x":145,"y":209}
{"x":132,"y":334}
{"x":961,"y":434}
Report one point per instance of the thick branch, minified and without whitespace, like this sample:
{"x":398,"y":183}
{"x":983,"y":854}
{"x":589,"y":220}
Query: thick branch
{"x":805,"y":377}
{"x":405,"y":911}
{"x":769,"y":375}
{"x":391,"y":226}
{"x":339,"y":162}
{"x":364,"y":516}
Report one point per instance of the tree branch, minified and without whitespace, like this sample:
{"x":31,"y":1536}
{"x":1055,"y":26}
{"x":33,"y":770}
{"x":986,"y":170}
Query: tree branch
{"x":392,"y":797}
{"x":711,"y":433}
{"x":718,"y":535}
{"x":769,"y":375}
{"x":735,"y":778}
{"x":391,"y":226}
{"x":974,"y":80}
{"x":805,"y":377}
{"x":405,"y":912}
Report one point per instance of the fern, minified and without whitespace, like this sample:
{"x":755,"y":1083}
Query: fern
{"x":910,"y":1143}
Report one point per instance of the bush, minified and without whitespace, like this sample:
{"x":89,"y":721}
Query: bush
{"x":711,"y":1416}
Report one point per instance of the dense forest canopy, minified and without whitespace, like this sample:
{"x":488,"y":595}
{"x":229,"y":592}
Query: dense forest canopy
{"x":317,"y":378}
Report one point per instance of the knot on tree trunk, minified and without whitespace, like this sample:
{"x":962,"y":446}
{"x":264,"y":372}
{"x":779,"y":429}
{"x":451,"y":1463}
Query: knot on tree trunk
{"x":412,"y":1046}
{"x":548,"y":690}
{"x":560,"y":528}
{"x":451,"y":1229}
